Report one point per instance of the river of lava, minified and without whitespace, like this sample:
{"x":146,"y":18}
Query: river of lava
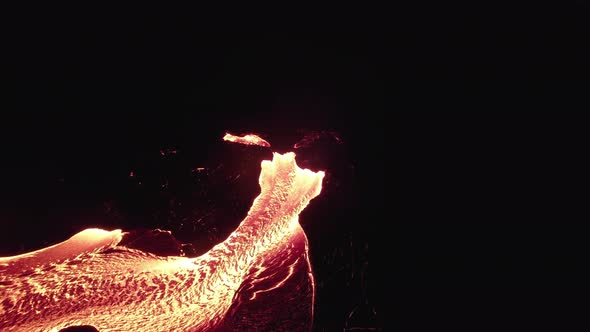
{"x":259,"y":278}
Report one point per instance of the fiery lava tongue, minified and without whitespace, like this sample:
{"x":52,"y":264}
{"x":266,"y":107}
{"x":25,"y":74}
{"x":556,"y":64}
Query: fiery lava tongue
{"x":237,"y":285}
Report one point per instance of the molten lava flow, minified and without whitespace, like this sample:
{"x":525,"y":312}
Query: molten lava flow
{"x":240,"y":284}
{"x":249,"y":139}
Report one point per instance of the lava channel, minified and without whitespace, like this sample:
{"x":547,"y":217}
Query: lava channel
{"x":259,"y":278}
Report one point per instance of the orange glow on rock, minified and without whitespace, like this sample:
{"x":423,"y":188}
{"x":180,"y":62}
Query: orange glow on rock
{"x":249,"y":139}
{"x":91,"y":280}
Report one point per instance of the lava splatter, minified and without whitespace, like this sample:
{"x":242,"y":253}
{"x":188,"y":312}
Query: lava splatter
{"x":249,"y":139}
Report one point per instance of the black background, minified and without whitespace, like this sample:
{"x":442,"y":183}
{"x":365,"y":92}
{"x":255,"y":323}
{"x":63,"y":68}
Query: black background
{"x":459,"y":181}
{"x":493,"y":228}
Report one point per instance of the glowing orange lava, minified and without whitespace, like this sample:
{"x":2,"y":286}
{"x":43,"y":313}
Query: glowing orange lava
{"x":91,"y":280}
{"x":249,"y":139}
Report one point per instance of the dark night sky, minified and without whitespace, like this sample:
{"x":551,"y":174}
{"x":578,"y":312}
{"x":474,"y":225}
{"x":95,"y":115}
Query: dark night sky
{"x":478,"y":157}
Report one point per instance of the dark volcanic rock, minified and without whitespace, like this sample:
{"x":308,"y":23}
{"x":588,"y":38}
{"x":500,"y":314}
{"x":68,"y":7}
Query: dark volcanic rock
{"x":79,"y":328}
{"x":157,"y":242}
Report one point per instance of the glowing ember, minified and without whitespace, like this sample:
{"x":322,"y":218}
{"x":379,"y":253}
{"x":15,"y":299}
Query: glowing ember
{"x":259,"y":278}
{"x":249,"y":139}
